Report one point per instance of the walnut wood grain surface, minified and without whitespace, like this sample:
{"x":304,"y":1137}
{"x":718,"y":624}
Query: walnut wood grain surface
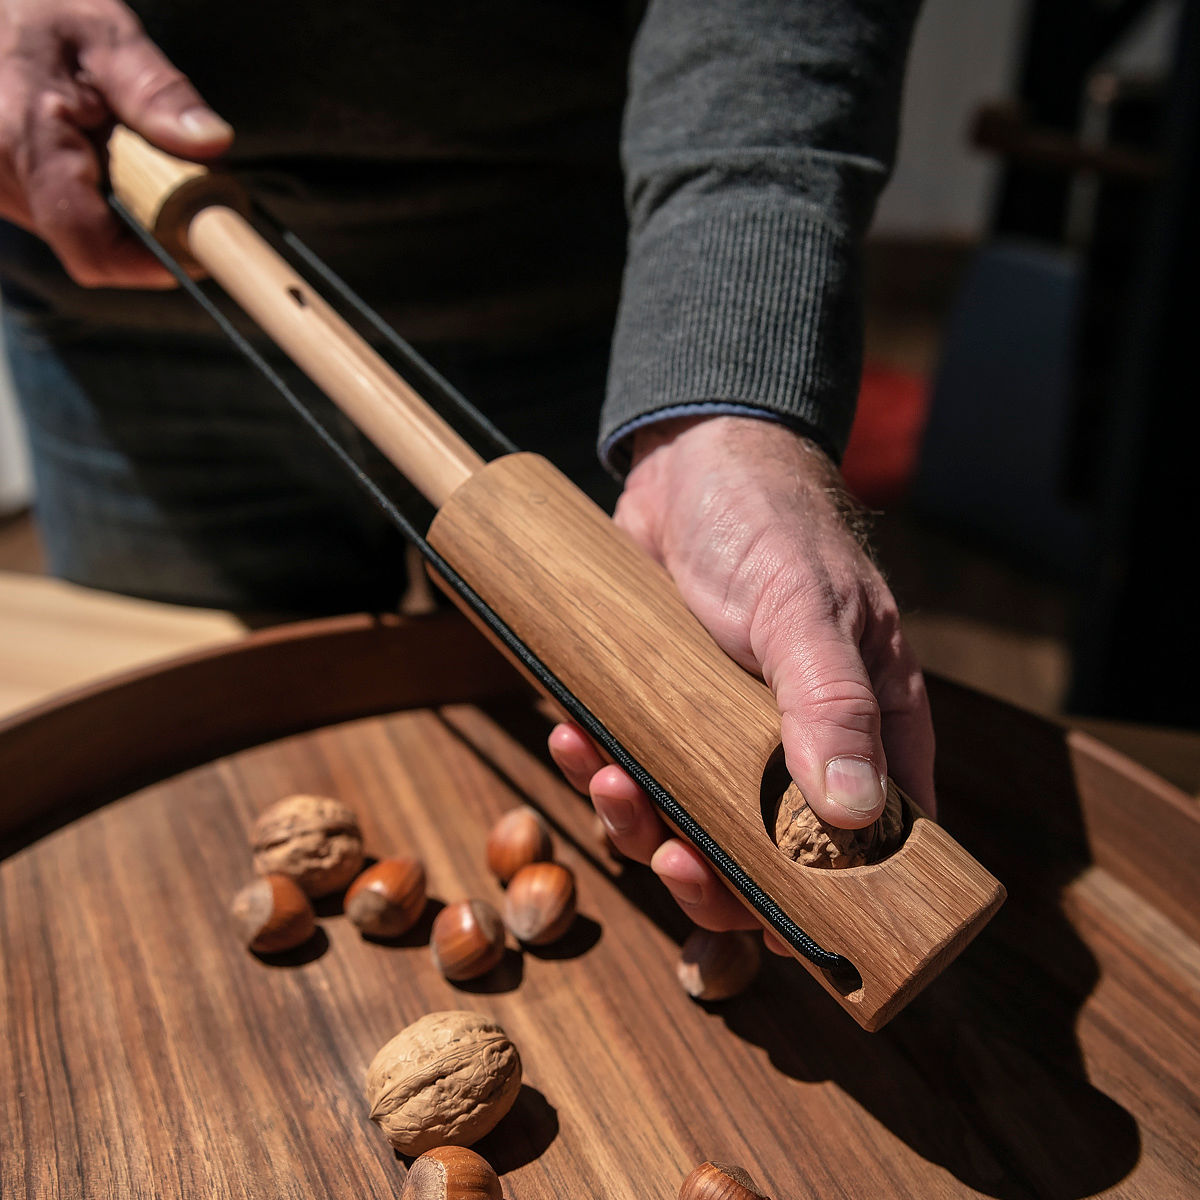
{"x":144,"y":1053}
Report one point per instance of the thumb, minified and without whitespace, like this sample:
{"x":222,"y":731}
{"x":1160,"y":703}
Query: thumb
{"x":830,"y":721}
{"x":152,"y":96}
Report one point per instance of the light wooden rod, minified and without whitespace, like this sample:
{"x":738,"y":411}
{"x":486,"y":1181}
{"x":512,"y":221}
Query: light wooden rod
{"x":390,"y":412}
{"x":184,"y":204}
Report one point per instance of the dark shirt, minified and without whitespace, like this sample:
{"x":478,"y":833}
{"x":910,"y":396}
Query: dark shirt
{"x":458,"y":164}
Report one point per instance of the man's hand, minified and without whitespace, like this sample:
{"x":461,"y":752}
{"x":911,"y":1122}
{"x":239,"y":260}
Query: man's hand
{"x":68,"y":69}
{"x":750,"y":521}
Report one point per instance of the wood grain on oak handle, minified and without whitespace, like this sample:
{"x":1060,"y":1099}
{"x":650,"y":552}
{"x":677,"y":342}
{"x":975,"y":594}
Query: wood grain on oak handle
{"x":598,"y":612}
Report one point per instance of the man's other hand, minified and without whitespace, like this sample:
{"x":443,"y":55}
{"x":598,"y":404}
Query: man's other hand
{"x":68,"y":70}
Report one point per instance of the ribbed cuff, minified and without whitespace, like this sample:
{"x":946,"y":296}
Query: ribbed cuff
{"x":732,"y":306}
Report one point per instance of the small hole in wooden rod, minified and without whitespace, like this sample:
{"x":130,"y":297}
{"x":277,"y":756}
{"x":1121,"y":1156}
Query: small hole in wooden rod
{"x":297,"y":295}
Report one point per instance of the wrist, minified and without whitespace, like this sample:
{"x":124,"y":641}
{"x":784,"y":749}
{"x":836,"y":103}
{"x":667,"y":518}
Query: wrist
{"x":759,"y":441}
{"x":685,"y":461}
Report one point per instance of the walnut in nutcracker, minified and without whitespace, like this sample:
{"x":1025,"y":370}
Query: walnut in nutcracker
{"x":314,"y":840}
{"x":445,"y":1080}
{"x":804,"y":837}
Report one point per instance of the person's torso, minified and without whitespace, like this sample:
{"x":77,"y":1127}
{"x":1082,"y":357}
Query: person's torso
{"x":457,"y":162}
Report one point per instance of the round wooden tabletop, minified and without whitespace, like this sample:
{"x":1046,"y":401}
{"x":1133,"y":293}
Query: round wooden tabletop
{"x":146,"y":1053}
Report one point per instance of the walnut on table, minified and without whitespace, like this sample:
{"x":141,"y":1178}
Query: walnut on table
{"x":314,"y":840}
{"x":445,"y":1080}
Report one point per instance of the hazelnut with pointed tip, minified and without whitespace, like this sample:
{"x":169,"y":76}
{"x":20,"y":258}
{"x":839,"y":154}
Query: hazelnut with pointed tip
{"x":273,"y":914}
{"x":467,"y":939}
{"x":539,"y":905}
{"x":451,"y":1173}
{"x":518,"y":838}
{"x":720,"y":1181}
{"x":387,"y":898}
{"x":716,"y":966}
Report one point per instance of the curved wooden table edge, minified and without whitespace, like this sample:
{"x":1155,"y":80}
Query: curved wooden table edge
{"x":1137,"y":826}
{"x":81,"y":749}
{"x":84,"y":748}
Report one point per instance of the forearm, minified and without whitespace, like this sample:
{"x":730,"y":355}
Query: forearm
{"x":757,"y":137}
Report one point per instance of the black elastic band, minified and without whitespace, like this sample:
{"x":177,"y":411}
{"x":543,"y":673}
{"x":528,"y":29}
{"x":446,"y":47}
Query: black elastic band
{"x":708,"y":846}
{"x":424,"y":377}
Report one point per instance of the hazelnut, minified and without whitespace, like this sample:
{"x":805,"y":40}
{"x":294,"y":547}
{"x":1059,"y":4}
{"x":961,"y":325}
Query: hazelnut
{"x":716,"y":966}
{"x":386,"y":899}
{"x":273,"y":914}
{"x":446,"y":1079}
{"x":451,"y":1173}
{"x":540,"y":903}
{"x":719,"y":1181}
{"x":467,"y":939}
{"x":518,"y":838}
{"x":313,"y":839}
{"x":808,"y":840}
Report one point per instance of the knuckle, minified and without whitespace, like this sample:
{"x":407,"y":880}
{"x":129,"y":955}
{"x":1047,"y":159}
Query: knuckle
{"x":902,"y":692}
{"x":802,"y":592}
{"x":808,"y":585}
{"x":51,"y":106}
{"x":810,"y":623}
{"x":122,"y":54}
{"x":104,"y":23}
{"x":158,"y":84}
{"x":84,"y":271}
{"x":841,"y":702}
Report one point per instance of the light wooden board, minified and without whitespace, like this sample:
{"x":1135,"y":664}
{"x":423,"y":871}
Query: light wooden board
{"x":56,"y":635}
{"x":146,"y":1053}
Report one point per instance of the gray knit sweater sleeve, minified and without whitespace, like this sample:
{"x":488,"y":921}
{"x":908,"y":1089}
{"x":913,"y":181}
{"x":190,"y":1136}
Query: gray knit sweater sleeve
{"x":757,"y":136}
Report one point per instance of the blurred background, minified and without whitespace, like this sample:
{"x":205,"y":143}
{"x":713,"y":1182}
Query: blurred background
{"x":1026,"y":409}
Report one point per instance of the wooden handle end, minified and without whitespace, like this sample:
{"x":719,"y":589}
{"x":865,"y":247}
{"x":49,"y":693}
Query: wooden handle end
{"x":164,"y":192}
